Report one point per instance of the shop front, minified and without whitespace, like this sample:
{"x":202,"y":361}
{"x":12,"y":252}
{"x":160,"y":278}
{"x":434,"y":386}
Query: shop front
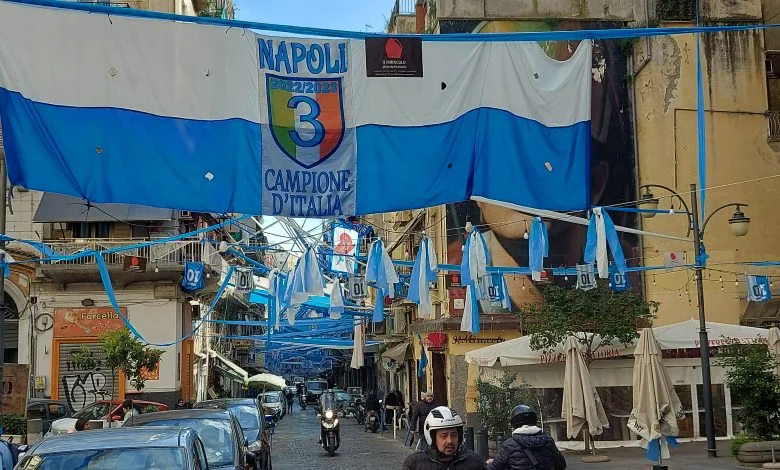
{"x":77,"y":376}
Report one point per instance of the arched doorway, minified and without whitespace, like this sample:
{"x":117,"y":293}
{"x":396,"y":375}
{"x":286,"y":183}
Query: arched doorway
{"x":11,"y":331}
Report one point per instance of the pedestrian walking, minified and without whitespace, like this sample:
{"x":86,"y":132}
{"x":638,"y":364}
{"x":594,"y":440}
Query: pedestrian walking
{"x":529,"y":448}
{"x":420,"y":413}
{"x":443,"y":431}
{"x":289,"y":398}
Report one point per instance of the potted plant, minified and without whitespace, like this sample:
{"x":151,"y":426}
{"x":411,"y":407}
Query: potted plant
{"x":14,"y":428}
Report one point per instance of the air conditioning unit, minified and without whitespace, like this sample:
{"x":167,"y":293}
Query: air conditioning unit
{"x":399,"y":323}
{"x":185,"y":215}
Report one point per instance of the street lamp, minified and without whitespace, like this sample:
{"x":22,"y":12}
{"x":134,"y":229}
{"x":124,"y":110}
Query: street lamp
{"x":739,"y":225}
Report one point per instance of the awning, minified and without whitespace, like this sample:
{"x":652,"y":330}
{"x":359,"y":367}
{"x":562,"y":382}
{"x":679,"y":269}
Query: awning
{"x":396,"y":353}
{"x":61,"y":208}
{"x":231,"y":368}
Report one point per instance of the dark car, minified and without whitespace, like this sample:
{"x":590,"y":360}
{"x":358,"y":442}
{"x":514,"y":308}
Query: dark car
{"x":47,"y":411}
{"x":226,"y":446}
{"x":149,"y":448}
{"x":314,"y":389}
{"x":252,"y":423}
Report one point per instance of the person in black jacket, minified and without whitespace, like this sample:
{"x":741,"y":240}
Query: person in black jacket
{"x":529,"y":448}
{"x":443,"y":431}
{"x":372,"y":403}
{"x":419,"y":415}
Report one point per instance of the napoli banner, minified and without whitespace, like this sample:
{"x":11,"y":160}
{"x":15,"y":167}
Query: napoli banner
{"x":224,"y":120}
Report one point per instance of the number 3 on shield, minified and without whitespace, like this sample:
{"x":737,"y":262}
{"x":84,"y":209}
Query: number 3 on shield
{"x":309,"y":118}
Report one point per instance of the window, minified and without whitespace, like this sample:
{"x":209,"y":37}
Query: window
{"x":200,"y":456}
{"x":36,"y":411}
{"x":57,"y":411}
{"x":91,"y":229}
{"x":102,"y":230}
{"x":81,"y":230}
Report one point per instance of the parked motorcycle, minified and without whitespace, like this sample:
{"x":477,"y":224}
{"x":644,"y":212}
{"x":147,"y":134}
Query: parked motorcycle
{"x":372,"y":421}
{"x":360,"y":411}
{"x":330,"y":436}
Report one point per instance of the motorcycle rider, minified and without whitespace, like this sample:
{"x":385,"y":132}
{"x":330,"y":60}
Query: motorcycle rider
{"x":443,"y":431}
{"x":419,"y":415}
{"x":372,"y":404}
{"x":529,"y":447}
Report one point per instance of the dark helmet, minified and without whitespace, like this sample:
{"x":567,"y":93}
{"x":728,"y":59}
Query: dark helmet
{"x":523,"y":415}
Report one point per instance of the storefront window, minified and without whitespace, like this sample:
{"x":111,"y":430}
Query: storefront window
{"x":718,"y":407}
{"x":617,"y":402}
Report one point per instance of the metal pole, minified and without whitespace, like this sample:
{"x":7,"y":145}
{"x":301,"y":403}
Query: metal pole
{"x":704,"y":343}
{"x":4,"y":196}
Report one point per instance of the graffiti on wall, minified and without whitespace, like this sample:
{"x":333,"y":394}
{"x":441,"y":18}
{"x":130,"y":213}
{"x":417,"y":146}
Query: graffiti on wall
{"x":83,"y":389}
{"x":83,"y":382}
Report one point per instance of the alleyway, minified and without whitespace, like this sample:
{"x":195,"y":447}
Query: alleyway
{"x":295,"y":446}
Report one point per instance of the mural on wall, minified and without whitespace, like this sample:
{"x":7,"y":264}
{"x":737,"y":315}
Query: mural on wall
{"x":612,"y":166}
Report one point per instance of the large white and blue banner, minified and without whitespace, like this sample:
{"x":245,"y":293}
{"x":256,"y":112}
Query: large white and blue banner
{"x":204,"y":118}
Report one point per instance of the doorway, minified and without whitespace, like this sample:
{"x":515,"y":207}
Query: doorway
{"x":439,"y":361}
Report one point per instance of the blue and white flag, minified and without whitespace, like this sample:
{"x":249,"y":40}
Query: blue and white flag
{"x":193,"y":276}
{"x":758,"y":289}
{"x":336,"y":302}
{"x":424,"y":273}
{"x":381,"y":273}
{"x":601,"y":232}
{"x":225,"y":120}
{"x":275,"y":293}
{"x":423,"y":363}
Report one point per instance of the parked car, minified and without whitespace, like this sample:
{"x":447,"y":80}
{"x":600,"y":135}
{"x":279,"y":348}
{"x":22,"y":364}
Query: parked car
{"x":224,"y":441}
{"x":152,"y":448}
{"x":273,"y":404}
{"x":47,"y":411}
{"x":109,"y":411}
{"x":314,"y":389}
{"x":252,"y":422}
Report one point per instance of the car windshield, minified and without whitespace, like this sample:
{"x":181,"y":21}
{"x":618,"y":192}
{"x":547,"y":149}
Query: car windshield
{"x":248,"y":418}
{"x":215,"y":433}
{"x":271,"y":398}
{"x":147,"y":458}
{"x":341,"y":396}
{"x":316,"y":385}
{"x":97,"y":410}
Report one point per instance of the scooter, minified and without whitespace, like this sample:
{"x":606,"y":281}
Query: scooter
{"x":372,"y":421}
{"x":302,"y":401}
{"x":360,"y":411}
{"x":330,"y":435}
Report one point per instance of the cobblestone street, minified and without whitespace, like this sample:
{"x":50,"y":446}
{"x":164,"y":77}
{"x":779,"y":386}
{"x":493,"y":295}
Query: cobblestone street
{"x":295,"y":446}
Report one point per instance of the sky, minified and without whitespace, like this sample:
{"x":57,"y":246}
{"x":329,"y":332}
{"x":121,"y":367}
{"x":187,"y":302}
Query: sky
{"x":351,"y":15}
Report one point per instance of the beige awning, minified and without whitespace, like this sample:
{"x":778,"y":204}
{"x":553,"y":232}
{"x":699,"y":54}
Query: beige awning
{"x":396,"y":353}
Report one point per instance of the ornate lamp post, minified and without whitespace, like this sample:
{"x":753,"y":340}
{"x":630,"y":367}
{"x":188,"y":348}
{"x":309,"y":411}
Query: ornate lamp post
{"x":739,"y":225}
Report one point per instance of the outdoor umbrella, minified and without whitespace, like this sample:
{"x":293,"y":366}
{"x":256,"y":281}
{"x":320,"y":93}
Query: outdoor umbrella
{"x":774,"y":345}
{"x":581,"y":402}
{"x":656,"y":404}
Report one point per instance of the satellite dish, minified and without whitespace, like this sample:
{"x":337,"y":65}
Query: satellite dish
{"x":389,"y":365}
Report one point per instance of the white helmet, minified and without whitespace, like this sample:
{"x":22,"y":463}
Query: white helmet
{"x":442,"y":417}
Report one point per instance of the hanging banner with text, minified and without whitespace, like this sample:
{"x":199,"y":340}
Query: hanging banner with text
{"x":297,"y":127}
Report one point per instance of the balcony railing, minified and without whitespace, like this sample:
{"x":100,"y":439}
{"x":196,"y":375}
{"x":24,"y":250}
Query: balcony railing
{"x":176,"y":252}
{"x":773,"y":121}
{"x":403,"y":7}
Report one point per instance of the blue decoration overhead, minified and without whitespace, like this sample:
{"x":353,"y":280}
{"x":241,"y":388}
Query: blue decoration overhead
{"x":538,"y":248}
{"x":336,"y":308}
{"x":601,"y":232}
{"x":305,"y":281}
{"x":380,"y":273}
{"x":474,"y":277}
{"x":424,"y":273}
{"x":193,"y":276}
{"x":758,"y":289}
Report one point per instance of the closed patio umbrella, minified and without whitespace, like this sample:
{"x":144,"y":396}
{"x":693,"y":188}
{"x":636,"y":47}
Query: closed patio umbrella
{"x":581,"y":402}
{"x":656,"y":404}
{"x":774,"y":345}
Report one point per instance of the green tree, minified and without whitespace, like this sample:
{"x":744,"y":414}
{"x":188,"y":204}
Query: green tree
{"x":125,"y":352}
{"x":750,"y":376}
{"x":495,"y":403}
{"x":575,"y":312}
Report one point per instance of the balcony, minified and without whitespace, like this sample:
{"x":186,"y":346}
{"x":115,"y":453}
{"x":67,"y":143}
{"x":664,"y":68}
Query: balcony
{"x":166,"y":259}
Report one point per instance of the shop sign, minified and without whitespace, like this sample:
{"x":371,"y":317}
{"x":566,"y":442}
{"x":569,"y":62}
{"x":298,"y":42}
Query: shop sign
{"x":85,"y":322}
{"x":474,"y":339}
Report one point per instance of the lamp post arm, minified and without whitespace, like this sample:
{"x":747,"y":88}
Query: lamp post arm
{"x":732,"y":204}
{"x":680,"y":198}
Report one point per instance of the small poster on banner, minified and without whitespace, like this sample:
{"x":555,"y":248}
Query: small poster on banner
{"x":758,"y":289}
{"x":586,"y":278}
{"x":619,"y":282}
{"x":345,"y":245}
{"x":193,"y":276}
{"x":394,"y":57}
{"x":357,"y":288}
{"x":245,"y":281}
{"x":134,"y":264}
{"x":674,"y":259}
